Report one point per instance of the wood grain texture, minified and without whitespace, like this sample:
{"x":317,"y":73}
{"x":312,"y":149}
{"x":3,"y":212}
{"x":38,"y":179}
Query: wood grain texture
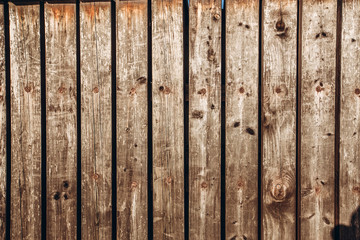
{"x":242,"y":78}
{"x":317,"y":118}
{"x":350,"y":120}
{"x":168,"y":119}
{"x":96,"y":143}
{"x":204,"y":119}
{"x":25,"y":121}
{"x":132,"y":119}
{"x":279,"y":119}
{"x":61,"y":133}
{"x":2,"y":127}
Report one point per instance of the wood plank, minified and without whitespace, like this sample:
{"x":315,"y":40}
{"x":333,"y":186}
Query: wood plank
{"x":242,"y":70}
{"x":168,"y":119}
{"x":279,"y":119}
{"x":61,"y":133}
{"x":2,"y":127}
{"x":350,"y":121}
{"x":25,"y":121}
{"x":96,"y":143}
{"x":204,"y":119}
{"x":317,"y":118}
{"x":132,"y":119}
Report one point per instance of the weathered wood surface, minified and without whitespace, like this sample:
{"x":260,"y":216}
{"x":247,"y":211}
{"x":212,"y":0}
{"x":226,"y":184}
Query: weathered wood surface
{"x":317,"y":118}
{"x":95,"y":63}
{"x":168,"y":119}
{"x":350,"y":119}
{"x":132,"y":119}
{"x":25,"y":121}
{"x":204,"y":119}
{"x":242,"y":57}
{"x":279,"y":119}
{"x":61,"y":132}
{"x":2,"y":127}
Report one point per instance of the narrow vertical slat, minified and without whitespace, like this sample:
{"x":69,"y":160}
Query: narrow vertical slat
{"x":350,"y":122}
{"x":95,"y":64}
{"x":2,"y":127}
{"x":25,"y":121}
{"x":132,"y":124}
{"x":204,"y":118}
{"x":279,"y":119}
{"x":61,"y":133}
{"x":168,"y":120}
{"x":242,"y":70}
{"x":317,"y":118}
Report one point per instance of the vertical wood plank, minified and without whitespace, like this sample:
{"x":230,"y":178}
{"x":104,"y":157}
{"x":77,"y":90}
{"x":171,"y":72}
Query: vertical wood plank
{"x":279,"y":119}
{"x":242,"y":71}
{"x":95,"y":63}
{"x":61,"y":133}
{"x":2,"y":127}
{"x":168,"y":119}
{"x":350,"y":120}
{"x":204,"y":119}
{"x":317,"y":118}
{"x":25,"y":121}
{"x":132,"y":124}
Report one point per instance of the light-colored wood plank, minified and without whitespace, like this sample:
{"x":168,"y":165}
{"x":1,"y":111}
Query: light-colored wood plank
{"x":96,"y":143}
{"x":242,"y":78}
{"x":168,"y":119}
{"x":132,"y":119}
{"x":350,"y":119}
{"x":2,"y":127}
{"x":61,"y":129}
{"x":25,"y":121}
{"x":204,"y":119}
{"x":317,"y":118}
{"x":279,"y":119}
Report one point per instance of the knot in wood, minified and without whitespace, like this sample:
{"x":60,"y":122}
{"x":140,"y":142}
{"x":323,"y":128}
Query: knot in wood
{"x":280,"y":26}
{"x":27,"y":89}
{"x":96,"y":176}
{"x":279,"y":191}
{"x":241,"y":90}
{"x":134,"y":185}
{"x":204,"y":185}
{"x":357,"y":91}
{"x":217,"y":16}
{"x":169,"y":180}
{"x":95,"y":90}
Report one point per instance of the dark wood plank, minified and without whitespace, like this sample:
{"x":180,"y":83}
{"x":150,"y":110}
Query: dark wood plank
{"x":132,"y":124}
{"x":168,"y":116}
{"x":279,"y":119}
{"x":95,"y":62}
{"x":2,"y":127}
{"x":317,"y":118}
{"x":61,"y":133}
{"x":204,"y":119}
{"x":242,"y":70}
{"x":25,"y":122}
{"x":350,"y":122}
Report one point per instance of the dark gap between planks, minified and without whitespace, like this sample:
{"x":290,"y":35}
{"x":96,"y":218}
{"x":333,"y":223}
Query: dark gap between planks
{"x":150,"y":143}
{"x":223,"y":124}
{"x":113,"y":122}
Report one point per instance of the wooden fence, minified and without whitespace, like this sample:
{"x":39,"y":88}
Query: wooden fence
{"x":154,"y":119}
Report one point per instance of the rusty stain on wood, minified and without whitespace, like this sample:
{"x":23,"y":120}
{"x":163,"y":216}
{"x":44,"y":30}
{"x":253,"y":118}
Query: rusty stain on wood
{"x":242,"y":44}
{"x":95,"y":43}
{"x":2,"y":127}
{"x":168,"y":115}
{"x":25,"y":121}
{"x":317,"y":118}
{"x":61,"y":133}
{"x":204,"y":123}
